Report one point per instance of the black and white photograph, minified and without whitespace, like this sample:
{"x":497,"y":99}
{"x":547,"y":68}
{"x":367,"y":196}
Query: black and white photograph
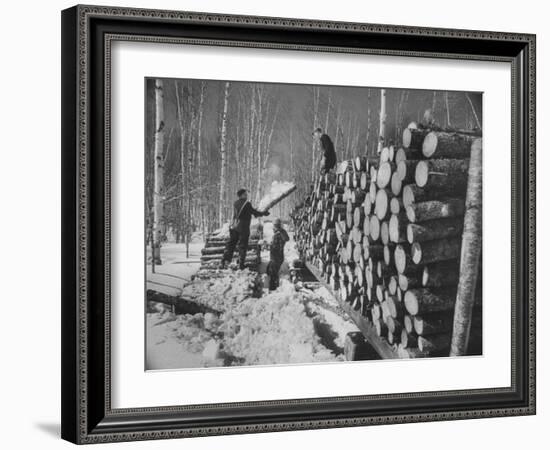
{"x":293,"y":224}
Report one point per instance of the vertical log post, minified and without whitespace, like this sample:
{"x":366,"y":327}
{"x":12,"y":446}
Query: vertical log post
{"x":469,"y":259}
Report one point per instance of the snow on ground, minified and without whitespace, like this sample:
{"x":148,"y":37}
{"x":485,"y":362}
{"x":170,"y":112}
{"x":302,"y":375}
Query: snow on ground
{"x":176,"y":269}
{"x":281,"y":327}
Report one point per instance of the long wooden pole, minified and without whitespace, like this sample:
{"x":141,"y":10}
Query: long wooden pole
{"x":470,"y":255}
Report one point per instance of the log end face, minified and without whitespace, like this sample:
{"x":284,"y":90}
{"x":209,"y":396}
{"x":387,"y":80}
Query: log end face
{"x":407,"y":137}
{"x":400,"y":155}
{"x":429,"y":145}
{"x":425,"y":276}
{"x":410,"y":213}
{"x":410,"y":234}
{"x":408,"y":195}
{"x":394,"y":228}
{"x":408,"y":323}
{"x":421,"y":174}
{"x":400,"y":258}
{"x":416,"y":251}
{"x":401,"y":170}
{"x":411,"y":303}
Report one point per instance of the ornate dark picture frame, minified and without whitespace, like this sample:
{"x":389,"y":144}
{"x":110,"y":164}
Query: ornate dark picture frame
{"x":87,"y":34}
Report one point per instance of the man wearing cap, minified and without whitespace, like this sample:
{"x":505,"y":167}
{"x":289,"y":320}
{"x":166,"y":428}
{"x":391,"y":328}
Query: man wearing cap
{"x":329,"y":155}
{"x":239,"y":231}
{"x":276,"y":253}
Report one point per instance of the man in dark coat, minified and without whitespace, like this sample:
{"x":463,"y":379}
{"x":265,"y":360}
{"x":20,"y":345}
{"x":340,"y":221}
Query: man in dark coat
{"x":328,"y":160}
{"x":276,"y":253}
{"x":239,"y":231}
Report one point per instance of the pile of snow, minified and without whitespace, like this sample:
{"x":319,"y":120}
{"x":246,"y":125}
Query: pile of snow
{"x":274,"y":330}
{"x":277,"y":191}
{"x":277,"y":328}
{"x":221,"y":293}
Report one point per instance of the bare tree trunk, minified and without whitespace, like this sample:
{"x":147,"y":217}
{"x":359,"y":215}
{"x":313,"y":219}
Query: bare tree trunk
{"x":259,"y":144}
{"x":316,"y":93}
{"x":223,"y":162}
{"x":158,"y":201}
{"x":478,"y":123}
{"x":291,"y":148}
{"x":199,"y":161}
{"x":268,"y":140}
{"x":399,"y":115}
{"x":368,"y":123}
{"x":434,"y":103}
{"x":348,"y":139}
{"x":382,"y":125}
{"x":337,"y":137}
{"x":238,"y":168}
{"x":447,"y":109}
{"x":329,"y":98}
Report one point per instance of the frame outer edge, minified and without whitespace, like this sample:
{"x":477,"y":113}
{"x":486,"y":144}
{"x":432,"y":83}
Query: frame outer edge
{"x":69,"y":263}
{"x":75,"y":218}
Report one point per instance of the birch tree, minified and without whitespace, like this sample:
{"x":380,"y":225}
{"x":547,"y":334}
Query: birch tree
{"x":382,"y":125}
{"x":327,"y":117}
{"x":447,"y":110}
{"x":158,"y":193}
{"x":368,"y":123}
{"x":199,"y":158}
{"x":223,"y":138}
{"x":316,"y":94}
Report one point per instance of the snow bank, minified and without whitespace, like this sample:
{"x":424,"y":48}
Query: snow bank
{"x":278,"y":328}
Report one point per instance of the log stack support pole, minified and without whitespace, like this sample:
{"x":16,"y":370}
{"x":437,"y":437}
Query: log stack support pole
{"x":470,"y":254}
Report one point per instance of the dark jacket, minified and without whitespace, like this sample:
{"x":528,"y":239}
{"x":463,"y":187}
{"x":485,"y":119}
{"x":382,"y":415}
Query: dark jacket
{"x":246,"y":214}
{"x":277,"y":248}
{"x":328,"y":152}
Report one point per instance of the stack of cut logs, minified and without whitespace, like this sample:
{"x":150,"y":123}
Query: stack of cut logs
{"x":386,"y":234}
{"x":212,"y":253}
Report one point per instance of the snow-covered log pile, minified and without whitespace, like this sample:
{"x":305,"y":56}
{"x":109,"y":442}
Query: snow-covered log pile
{"x":212,"y":253}
{"x":386,"y":235}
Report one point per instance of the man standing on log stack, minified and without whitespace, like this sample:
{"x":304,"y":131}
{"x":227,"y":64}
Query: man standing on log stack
{"x":239,"y":231}
{"x":276,"y":253}
{"x":328,"y":161}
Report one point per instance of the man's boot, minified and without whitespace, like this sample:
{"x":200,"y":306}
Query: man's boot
{"x":222,"y":266}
